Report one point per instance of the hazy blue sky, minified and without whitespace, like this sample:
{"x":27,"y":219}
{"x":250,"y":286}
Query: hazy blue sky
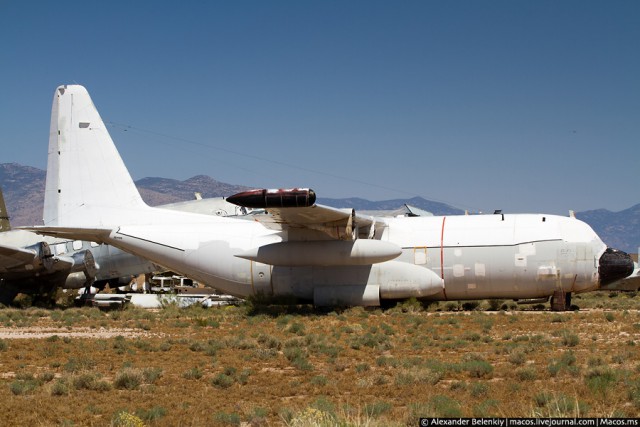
{"x":527,"y":106}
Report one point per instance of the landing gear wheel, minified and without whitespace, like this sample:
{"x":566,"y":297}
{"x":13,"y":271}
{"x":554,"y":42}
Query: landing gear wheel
{"x":561,"y":301}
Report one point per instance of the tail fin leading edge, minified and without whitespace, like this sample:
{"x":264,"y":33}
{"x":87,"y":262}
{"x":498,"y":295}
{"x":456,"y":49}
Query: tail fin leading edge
{"x":5,"y":225}
{"x":87,"y":181}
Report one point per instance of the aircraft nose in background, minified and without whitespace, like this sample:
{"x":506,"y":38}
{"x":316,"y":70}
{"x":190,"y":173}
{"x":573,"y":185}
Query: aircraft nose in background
{"x":614,"y":265}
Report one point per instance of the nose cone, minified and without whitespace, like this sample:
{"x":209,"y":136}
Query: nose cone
{"x":614,"y":265}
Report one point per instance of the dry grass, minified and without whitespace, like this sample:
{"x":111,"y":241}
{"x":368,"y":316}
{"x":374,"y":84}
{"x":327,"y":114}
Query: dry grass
{"x":293,"y":366}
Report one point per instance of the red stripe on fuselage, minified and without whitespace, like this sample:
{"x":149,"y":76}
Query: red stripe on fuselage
{"x":444,"y":289}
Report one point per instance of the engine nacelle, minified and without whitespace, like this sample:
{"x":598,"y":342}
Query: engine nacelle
{"x":83,"y":269}
{"x":85,"y":262}
{"x":281,"y":198}
{"x":399,"y":281}
{"x":323,"y":253}
{"x":42,"y":256}
{"x":75,"y":280}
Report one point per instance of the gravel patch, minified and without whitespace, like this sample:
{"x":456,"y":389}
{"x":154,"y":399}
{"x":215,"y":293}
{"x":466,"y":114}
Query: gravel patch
{"x":42,"y":333}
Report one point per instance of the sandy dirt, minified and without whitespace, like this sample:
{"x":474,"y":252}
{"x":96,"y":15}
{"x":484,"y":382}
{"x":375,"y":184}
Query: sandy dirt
{"x":34,"y":332}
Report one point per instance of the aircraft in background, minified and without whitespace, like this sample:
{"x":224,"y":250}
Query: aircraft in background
{"x":37,"y":265}
{"x":631,"y":283}
{"x":315,"y":253}
{"x":28,"y":265}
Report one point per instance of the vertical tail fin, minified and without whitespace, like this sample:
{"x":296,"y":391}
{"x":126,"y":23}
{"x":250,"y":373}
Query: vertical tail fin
{"x":87,"y":182}
{"x":4,"y":215}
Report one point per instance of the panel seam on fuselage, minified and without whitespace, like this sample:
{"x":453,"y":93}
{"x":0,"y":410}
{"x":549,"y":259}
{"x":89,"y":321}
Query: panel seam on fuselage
{"x":484,"y":246}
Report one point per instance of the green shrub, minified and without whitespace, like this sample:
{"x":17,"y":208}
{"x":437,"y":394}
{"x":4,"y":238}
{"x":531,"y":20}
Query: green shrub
{"x":270,"y":342}
{"x":380,"y":380}
{"x":634,"y":393}
{"x":458,"y":386}
{"x":90,"y":381}
{"x":60,"y":388}
{"x":298,"y":358}
{"x":222,"y":380}
{"x":194,"y":373}
{"x":380,"y":341}
{"x":566,"y":362}
{"x":374,"y":410}
{"x":478,"y":368}
{"x":362,"y":367}
{"x":196,"y":346}
{"x":479,"y":389}
{"x":151,"y":374}
{"x":319,"y":380}
{"x":543,"y":398}
{"x":444,"y":406}
{"x":526,"y":374}
{"x":487,"y":408}
{"x":557,"y":405}
{"x":243,"y":378}
{"x":471,"y":336}
{"x":568,"y":339}
{"x":224,"y":418}
{"x":517,"y":358}
{"x":128,"y":379}
{"x":79,"y":364}
{"x":297,"y":328}
{"x":554,"y":369}
{"x":412,"y":305}
{"x":152,"y":414}
{"x":600,"y":380}
{"x":26,"y":386}
{"x":46,"y":377}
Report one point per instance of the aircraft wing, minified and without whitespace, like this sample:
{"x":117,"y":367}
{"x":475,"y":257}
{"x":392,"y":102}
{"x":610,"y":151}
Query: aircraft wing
{"x":295,"y":211}
{"x":97,"y":235}
{"x":13,"y":256}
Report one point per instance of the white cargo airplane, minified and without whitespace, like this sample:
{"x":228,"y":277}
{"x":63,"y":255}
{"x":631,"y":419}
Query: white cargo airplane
{"x":315,"y":253}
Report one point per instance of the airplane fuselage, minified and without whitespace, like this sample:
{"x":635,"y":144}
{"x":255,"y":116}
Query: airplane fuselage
{"x":441,"y":258}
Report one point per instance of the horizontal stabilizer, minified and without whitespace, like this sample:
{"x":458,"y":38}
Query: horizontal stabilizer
{"x":97,"y":235}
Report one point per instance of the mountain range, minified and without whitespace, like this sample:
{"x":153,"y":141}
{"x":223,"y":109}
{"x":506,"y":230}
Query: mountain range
{"x":23,"y":188}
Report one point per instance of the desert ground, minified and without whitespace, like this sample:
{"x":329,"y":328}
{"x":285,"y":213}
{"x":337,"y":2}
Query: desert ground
{"x":258,"y":364}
